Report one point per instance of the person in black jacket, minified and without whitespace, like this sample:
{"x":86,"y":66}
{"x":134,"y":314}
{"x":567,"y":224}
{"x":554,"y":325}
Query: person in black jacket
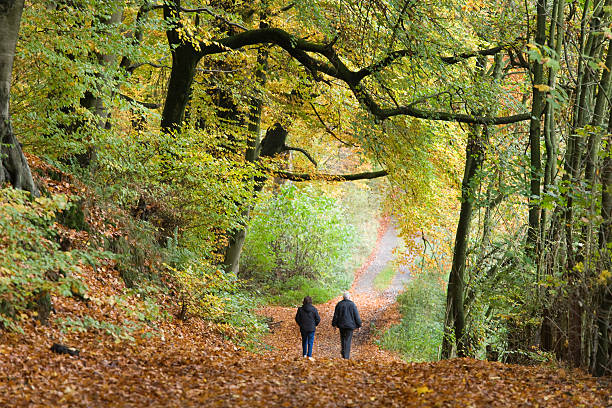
{"x":308,"y":318}
{"x":346,"y":318}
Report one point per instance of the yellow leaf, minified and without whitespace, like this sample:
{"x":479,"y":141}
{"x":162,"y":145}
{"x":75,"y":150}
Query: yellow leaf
{"x":542,"y":87}
{"x":423,"y":390}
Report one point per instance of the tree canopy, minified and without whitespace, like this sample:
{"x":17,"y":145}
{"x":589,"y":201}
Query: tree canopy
{"x":490,"y":121}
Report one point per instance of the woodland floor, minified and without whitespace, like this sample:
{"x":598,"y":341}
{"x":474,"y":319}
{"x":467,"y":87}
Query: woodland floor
{"x":189,"y":365}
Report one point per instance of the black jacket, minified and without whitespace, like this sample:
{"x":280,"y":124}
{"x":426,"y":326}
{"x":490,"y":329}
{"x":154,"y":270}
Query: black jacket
{"x":307,"y":317}
{"x":346,"y":315}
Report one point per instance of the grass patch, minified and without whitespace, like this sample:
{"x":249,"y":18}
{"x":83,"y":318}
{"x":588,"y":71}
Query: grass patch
{"x":292,"y":292}
{"x":418,"y":336}
{"x":384,"y":278}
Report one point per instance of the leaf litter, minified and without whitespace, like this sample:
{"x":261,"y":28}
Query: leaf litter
{"x":190,"y":364}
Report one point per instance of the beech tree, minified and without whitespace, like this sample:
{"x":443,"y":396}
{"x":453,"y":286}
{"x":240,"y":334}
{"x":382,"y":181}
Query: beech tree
{"x":527,"y":104}
{"x":316,"y":58}
{"x":14,"y":169}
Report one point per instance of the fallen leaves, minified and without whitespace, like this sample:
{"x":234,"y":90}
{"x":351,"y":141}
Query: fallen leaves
{"x":188,"y":364}
{"x":199,"y":369}
{"x":422,"y":390}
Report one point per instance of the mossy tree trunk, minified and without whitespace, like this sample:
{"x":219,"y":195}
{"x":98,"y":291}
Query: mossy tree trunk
{"x":455,"y":314}
{"x":603,"y":355}
{"x":535,"y":132}
{"x":14,"y":166}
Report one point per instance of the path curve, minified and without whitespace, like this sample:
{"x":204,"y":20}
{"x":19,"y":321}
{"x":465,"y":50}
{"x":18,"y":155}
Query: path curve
{"x":374,"y":306}
{"x":384,"y":255}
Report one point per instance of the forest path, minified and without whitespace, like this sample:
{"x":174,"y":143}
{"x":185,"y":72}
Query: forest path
{"x":376,"y":308}
{"x":191,"y":366}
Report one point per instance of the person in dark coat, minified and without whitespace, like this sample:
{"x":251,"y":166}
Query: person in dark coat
{"x":307,"y":317}
{"x":346,"y":318}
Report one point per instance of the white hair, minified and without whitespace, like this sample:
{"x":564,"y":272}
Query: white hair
{"x":346,"y":295}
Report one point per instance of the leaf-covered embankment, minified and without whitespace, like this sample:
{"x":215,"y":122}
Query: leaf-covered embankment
{"x":175,"y":363}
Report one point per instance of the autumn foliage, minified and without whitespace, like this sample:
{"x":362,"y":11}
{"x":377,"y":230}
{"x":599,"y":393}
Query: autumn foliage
{"x":159,"y":362}
{"x":163,"y":148}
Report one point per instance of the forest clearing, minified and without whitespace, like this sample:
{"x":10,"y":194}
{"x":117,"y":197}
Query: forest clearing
{"x":329,"y":203}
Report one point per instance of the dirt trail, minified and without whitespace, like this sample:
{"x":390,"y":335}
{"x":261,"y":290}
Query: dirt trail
{"x":375,"y":307}
{"x":189,"y":364}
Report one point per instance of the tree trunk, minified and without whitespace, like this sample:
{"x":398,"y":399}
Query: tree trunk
{"x":271,"y":145}
{"x":555,"y":41}
{"x":455,"y":316}
{"x":237,"y":237}
{"x":14,"y":166}
{"x":598,"y":119}
{"x":234,"y":249}
{"x":184,"y":61}
{"x":603,"y":357}
{"x":537,"y":108}
{"x":557,"y":32}
{"x":584,"y":112}
{"x":95,"y":104}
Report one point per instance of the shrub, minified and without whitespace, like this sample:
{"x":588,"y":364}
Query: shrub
{"x":201,"y":289}
{"x":419,"y":334}
{"x":32,"y":266}
{"x":299,"y":237}
{"x":208,"y":292}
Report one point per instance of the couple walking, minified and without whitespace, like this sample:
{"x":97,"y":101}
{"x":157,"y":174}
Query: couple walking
{"x":346,"y":318}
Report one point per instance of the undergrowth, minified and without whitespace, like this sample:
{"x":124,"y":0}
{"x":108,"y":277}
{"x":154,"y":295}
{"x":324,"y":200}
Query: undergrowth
{"x":43,"y":262}
{"x":33,"y":266}
{"x":208,"y":292}
{"x":306,"y":242}
{"x":418,"y":336}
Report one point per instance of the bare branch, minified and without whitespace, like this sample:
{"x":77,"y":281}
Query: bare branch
{"x":328,"y":129}
{"x":304,"y":152}
{"x":409,"y":110}
{"x":152,"y":64}
{"x":329,"y":177}
{"x":395,"y":55}
{"x":203,"y":10}
{"x":466,"y":55}
{"x":204,"y":70}
{"x":148,"y":105}
{"x":286,"y":8}
{"x":385,"y":62}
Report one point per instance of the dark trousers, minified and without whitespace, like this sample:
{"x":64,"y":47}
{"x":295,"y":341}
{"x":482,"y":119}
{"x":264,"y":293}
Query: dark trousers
{"x":307,"y":342}
{"x":346,"y":335}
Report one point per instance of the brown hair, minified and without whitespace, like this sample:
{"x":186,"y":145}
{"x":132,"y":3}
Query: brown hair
{"x":307,"y":301}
